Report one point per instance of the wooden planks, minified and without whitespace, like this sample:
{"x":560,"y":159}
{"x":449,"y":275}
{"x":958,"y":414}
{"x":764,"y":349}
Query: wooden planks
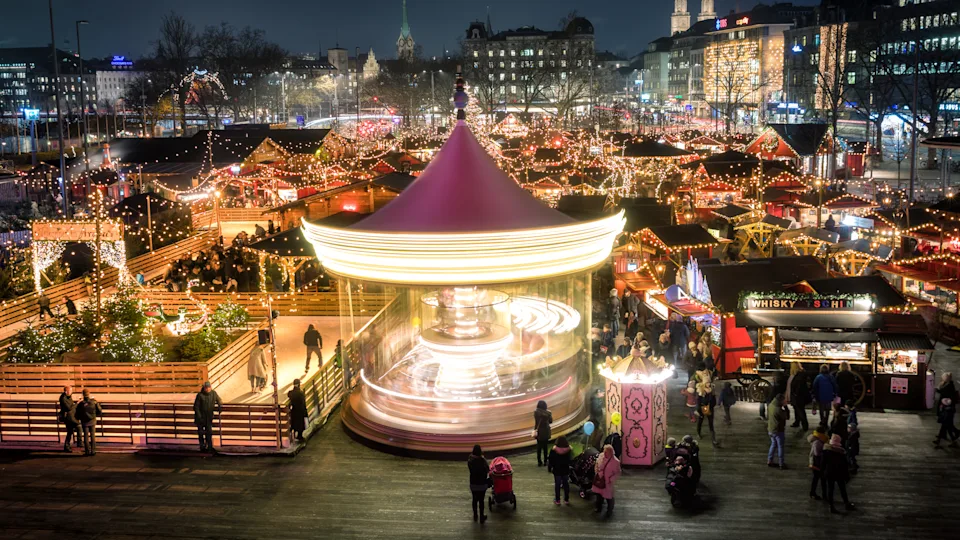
{"x":162,"y":378}
{"x":309,"y":304}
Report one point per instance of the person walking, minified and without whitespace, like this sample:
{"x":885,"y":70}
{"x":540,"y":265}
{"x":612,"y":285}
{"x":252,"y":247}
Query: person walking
{"x":204,"y":405}
{"x":946,"y":409}
{"x":558,"y":462}
{"x":706,"y":404}
{"x":777,"y":416}
{"x":824,"y":392}
{"x":298,"y":410}
{"x":799,"y":396}
{"x":44,"y":302}
{"x":836,"y":471}
{"x":314,"y":343}
{"x":679,"y":337}
{"x":68,"y":415}
{"x":817,"y":440}
{"x":69,"y":306}
{"x":632,"y":303}
{"x":607,"y":473}
{"x":542,"y":418}
{"x":88,"y":411}
{"x":479,"y":481}
{"x":257,"y":368}
{"x":727,"y":399}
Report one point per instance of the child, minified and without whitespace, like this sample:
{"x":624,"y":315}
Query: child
{"x":851,"y":412}
{"x":691,"y":394}
{"x":853,"y":446}
{"x":817,"y":439}
{"x":670,"y":452}
{"x":727,"y":399}
{"x":606,"y":340}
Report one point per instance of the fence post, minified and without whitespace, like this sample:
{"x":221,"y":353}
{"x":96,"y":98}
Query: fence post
{"x":130,"y":421}
{"x":29,"y":425}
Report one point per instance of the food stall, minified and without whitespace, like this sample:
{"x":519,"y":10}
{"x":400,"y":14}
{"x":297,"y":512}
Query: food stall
{"x":904,"y":352}
{"x":813,"y":329}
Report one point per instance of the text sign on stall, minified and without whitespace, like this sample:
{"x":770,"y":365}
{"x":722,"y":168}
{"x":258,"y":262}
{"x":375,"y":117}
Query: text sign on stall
{"x":899,"y":385}
{"x":813,"y":302}
{"x":78,"y":231}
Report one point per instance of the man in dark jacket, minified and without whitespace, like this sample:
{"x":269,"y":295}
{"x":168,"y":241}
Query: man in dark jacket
{"x":68,"y":415}
{"x":69,"y":306}
{"x":298,"y":410}
{"x":542,"y":418}
{"x":88,"y":411}
{"x":479,"y":475}
{"x":314,"y":343}
{"x":203,"y":406}
{"x":836,"y":471}
{"x":800,"y":398}
{"x":44,"y":302}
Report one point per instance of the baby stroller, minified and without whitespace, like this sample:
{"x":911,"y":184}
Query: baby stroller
{"x":501,"y":472}
{"x":583,"y":470}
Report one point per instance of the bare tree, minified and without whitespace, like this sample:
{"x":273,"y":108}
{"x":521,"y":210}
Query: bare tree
{"x":733,"y":89}
{"x":831,"y":81}
{"x":570,"y":89}
{"x":175,"y":53}
{"x":899,"y":152}
{"x":533,"y":80}
{"x":874,"y":93}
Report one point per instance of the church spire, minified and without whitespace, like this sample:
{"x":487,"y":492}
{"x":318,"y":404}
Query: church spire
{"x":404,"y":26}
{"x":405,"y":44}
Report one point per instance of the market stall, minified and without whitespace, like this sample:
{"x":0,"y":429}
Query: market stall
{"x":636,"y":407}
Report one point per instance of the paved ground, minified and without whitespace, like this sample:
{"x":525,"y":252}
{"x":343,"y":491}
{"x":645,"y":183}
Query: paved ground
{"x":339,"y":488}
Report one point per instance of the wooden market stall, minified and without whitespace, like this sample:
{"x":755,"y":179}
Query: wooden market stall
{"x":808,"y":241}
{"x":761,"y":233}
{"x":852,"y":258}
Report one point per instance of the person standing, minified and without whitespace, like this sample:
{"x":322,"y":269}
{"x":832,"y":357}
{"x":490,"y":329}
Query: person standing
{"x":946,"y":409}
{"x":707,"y":404}
{"x":777,"y":416}
{"x":799,"y":397}
{"x":615,"y":310}
{"x":479,"y":481}
{"x":314,"y":343}
{"x":257,"y":368}
{"x":298,"y":410}
{"x":679,"y":337}
{"x":542,"y":418}
{"x":824,"y":391}
{"x":846,"y":380}
{"x":68,"y":415}
{"x":206,"y":402}
{"x":44,"y":302}
{"x":625,"y":348}
{"x":559,"y":464}
{"x":632,"y":302}
{"x":836,"y":471}
{"x":69,"y":306}
{"x":817,"y":440}
{"x":88,"y":411}
{"x":727,"y":399}
{"x":607,"y":473}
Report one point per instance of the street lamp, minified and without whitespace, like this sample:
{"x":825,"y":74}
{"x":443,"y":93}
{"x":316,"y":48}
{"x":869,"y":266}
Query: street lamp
{"x":83,"y":107}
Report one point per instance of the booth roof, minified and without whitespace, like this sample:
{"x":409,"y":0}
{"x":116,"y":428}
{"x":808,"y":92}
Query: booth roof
{"x":289,"y":243}
{"x":821,"y":235}
{"x":760,"y":275}
{"x":649,"y":148}
{"x":876,"y":285}
{"x":905,"y":342}
{"x":683,"y":235}
{"x":731,"y":211}
{"x":463,"y":190}
{"x":642,"y":217}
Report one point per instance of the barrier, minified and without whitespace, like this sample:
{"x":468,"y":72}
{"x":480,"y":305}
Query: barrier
{"x":308,"y":304}
{"x":252,"y":215}
{"x":234,"y":357}
{"x":143,"y":424}
{"x":103,"y":378}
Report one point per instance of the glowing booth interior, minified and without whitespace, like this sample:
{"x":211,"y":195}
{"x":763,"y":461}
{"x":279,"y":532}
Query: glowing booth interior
{"x":487,"y":310}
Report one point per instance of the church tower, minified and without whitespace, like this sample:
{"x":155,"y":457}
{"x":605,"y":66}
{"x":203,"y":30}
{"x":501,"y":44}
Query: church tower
{"x":706,"y":11}
{"x":405,"y":43}
{"x":680,"y":20}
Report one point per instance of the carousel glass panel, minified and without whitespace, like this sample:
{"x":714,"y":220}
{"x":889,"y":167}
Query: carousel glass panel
{"x":468,"y":359}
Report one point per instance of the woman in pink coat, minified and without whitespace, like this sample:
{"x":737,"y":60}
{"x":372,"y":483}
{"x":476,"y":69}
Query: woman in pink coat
{"x":608,"y":471}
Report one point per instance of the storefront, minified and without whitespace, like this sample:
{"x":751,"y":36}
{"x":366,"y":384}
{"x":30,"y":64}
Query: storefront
{"x":903,"y":355}
{"x":812,"y":330}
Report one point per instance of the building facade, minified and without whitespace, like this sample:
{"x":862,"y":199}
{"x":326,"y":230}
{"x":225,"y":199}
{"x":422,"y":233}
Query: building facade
{"x":113,"y":76}
{"x":406,"y":47}
{"x":532,"y":69}
{"x":656,"y":65}
{"x":27,"y":81}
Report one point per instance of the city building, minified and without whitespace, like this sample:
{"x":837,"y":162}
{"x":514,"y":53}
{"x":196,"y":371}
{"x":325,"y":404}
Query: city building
{"x":27,"y":81}
{"x":743,"y":62}
{"x":113,"y":76}
{"x":707,"y":13}
{"x":406,"y":47}
{"x":531,"y":69}
{"x":656,"y":64}
{"x":685,"y":79}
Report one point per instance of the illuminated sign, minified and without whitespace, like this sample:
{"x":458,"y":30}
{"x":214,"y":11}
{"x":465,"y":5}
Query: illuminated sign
{"x":743,"y":20}
{"x":121,"y":61}
{"x":31,"y":114}
{"x":721,"y":24}
{"x":797,"y":49}
{"x":808,"y":302}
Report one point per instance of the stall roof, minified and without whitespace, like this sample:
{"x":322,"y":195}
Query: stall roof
{"x":642,"y":217}
{"x":289,"y":243}
{"x":876,"y":285}
{"x":649,"y":148}
{"x":918,"y":217}
{"x":820,"y":235}
{"x":866,"y":247}
{"x":761,"y":275}
{"x":829,"y":337}
{"x":680,"y":236}
{"x":767,"y":219}
{"x":905,"y":342}
{"x":830,"y":320}
{"x":732,"y":211}
{"x":582,"y":207}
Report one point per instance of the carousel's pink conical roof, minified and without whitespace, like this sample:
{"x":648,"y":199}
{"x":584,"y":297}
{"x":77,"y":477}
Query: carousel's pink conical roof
{"x":463,"y":190}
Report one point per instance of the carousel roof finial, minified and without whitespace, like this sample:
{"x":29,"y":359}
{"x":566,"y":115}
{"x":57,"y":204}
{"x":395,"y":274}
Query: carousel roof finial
{"x":460,"y":97}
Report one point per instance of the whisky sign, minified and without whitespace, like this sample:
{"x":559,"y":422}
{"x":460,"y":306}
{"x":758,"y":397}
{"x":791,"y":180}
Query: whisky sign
{"x":807,"y":303}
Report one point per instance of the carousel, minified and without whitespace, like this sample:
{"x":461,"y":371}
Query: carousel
{"x":488,"y":309}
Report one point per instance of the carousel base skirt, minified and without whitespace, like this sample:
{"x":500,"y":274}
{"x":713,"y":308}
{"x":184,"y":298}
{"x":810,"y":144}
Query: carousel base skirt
{"x":363,"y":420}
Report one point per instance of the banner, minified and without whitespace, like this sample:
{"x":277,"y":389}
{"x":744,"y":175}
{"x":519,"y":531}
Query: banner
{"x":78,"y":231}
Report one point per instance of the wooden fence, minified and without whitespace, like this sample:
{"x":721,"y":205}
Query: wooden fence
{"x":142,"y":424}
{"x":102,"y":378}
{"x":323,"y":390}
{"x":233,"y":358}
{"x":24,"y":307}
{"x":253,"y":215}
{"x":307,"y":304}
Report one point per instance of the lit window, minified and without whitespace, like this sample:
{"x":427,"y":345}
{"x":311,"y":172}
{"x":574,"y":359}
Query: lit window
{"x":851,"y":77}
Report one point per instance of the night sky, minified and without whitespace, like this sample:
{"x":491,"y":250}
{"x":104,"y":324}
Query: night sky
{"x":303,"y":26}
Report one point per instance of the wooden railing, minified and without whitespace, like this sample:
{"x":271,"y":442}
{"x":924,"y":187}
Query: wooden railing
{"x":142,"y":424}
{"x":323,"y":390}
{"x":257,"y":215}
{"x":202,"y":220}
{"x":233,"y":358}
{"x":307,"y":304}
{"x":25,"y":307}
{"x":102,"y":378}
